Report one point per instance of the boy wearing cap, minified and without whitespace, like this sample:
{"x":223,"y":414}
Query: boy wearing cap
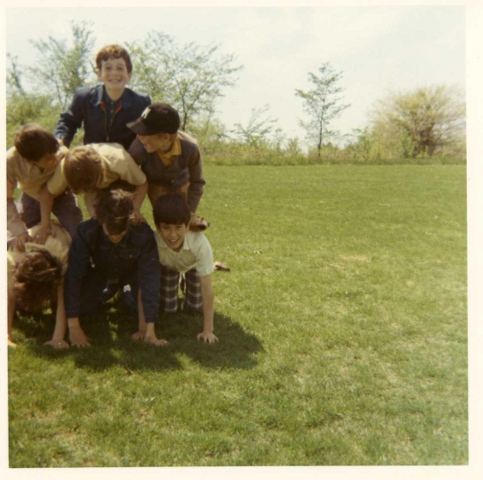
{"x":106,"y":109}
{"x":170,"y":159}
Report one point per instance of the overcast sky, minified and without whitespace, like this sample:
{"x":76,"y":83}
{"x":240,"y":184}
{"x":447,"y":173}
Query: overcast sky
{"x":376,"y":48}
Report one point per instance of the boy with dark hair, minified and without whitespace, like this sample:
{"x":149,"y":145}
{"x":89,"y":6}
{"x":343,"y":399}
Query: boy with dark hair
{"x":106,"y":109}
{"x":106,"y":253}
{"x":183,"y":251}
{"x":93,"y":167}
{"x":170,"y":159}
{"x":31,"y":165}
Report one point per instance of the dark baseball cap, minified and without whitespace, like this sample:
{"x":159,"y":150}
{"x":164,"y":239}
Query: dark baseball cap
{"x":157,"y":118}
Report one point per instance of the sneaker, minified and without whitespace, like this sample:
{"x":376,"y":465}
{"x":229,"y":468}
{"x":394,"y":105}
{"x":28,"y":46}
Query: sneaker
{"x":198,"y":224}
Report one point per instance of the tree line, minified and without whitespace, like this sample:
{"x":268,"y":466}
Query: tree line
{"x":426,"y":124}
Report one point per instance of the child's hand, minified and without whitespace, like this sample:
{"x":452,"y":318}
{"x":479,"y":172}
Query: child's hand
{"x":77,"y":337}
{"x":42,"y":233}
{"x":139,"y":335}
{"x":57,"y":343}
{"x":153,"y":340}
{"x":207,"y":337}
{"x":137,"y":217}
{"x":149,"y":338}
{"x":18,"y":242}
{"x":11,"y":343}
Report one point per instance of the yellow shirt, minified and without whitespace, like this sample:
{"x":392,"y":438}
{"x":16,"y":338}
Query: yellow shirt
{"x":117,"y":165}
{"x":167,"y":157}
{"x":29,"y":177}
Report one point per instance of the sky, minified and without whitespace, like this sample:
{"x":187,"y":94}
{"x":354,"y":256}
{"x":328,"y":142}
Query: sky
{"x":377,"y":49}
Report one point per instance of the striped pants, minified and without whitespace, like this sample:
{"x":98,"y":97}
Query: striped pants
{"x":170,"y":286}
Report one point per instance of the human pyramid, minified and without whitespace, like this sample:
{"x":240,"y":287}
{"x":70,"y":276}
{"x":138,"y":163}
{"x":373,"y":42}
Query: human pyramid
{"x":132,"y":148}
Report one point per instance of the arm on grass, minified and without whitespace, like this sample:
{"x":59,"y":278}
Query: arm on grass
{"x":208,"y":297}
{"x":77,"y":336}
{"x":146,"y":330}
{"x":58,"y":337}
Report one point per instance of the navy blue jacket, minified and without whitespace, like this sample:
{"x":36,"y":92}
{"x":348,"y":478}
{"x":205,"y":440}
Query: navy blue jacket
{"x":136,"y":254}
{"x":88,"y":107}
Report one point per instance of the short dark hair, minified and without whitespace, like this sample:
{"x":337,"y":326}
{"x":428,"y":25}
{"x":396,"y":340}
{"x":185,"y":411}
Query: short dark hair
{"x":82,"y":167}
{"x":33,"y":142}
{"x":113,"y":51}
{"x":171,"y":209}
{"x":114,"y":209}
{"x":37,"y":275}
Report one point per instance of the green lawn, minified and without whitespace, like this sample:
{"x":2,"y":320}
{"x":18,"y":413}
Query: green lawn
{"x":342,"y":327}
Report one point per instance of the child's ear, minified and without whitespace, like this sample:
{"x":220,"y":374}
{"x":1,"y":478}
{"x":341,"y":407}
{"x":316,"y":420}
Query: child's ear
{"x":98,"y":71}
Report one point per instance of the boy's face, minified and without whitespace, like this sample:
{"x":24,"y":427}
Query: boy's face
{"x":114,"y":237}
{"x":113,"y":73}
{"x":159,"y":141}
{"x":173,"y":234}
{"x":50,"y":160}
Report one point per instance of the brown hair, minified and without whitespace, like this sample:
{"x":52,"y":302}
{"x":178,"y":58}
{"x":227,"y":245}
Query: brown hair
{"x":114,"y":209}
{"x":113,"y":51}
{"x":37,"y":275}
{"x":171,"y":209}
{"x":82,"y":168}
{"x":33,"y":142}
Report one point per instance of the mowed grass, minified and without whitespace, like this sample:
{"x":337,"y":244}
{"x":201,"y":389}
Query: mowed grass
{"x":342,"y":327}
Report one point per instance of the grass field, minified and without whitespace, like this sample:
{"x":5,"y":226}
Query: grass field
{"x":342,"y":327}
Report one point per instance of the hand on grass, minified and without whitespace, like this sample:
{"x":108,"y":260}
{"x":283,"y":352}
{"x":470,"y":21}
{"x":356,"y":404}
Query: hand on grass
{"x":149,"y":338}
{"x":207,"y":337}
{"x":153,"y":340}
{"x":57,"y":343}
{"x":78,"y":338}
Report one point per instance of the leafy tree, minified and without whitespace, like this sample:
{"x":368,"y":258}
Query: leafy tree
{"x":423,"y":122}
{"x":258,"y":129}
{"x":322,"y":104}
{"x":190,"y":77}
{"x":62,"y":68}
{"x":24,"y":107}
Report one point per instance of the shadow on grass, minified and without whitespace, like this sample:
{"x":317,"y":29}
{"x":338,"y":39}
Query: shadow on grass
{"x":111,"y":344}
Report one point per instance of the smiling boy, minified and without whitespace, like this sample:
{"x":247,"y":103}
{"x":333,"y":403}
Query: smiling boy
{"x":106,"y":109}
{"x":183,"y":251}
{"x":31,"y":165}
{"x":170,"y":159}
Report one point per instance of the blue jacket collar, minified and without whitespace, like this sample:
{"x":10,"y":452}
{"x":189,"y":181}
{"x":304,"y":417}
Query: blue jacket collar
{"x":126,"y":100}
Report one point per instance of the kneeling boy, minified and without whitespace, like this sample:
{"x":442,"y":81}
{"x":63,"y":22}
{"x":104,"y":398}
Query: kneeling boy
{"x":183,"y":251}
{"x":106,"y":253}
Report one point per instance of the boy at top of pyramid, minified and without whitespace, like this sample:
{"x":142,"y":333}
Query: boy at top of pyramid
{"x":104,"y":110}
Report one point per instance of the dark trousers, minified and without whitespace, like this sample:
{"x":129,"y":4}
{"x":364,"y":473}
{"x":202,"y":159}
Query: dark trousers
{"x":65,"y":208}
{"x":97,"y":288}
